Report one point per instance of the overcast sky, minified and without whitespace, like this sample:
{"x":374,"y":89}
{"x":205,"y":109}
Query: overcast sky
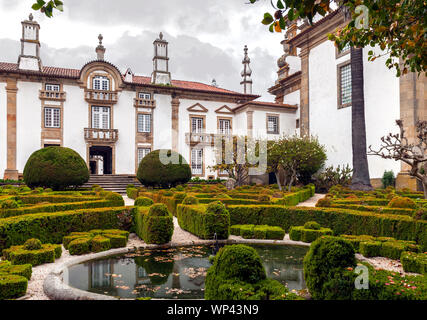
{"x":206,"y":38}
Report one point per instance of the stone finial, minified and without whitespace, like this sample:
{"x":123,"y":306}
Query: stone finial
{"x":214,"y":84}
{"x":30,"y":17}
{"x":100,"y":49}
{"x":246,"y":73}
{"x":161,"y":35}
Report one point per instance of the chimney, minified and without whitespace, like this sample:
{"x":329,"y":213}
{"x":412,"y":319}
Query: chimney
{"x":29,"y":59}
{"x":161,"y":74}
{"x":100,"y":49}
{"x":246,"y":73}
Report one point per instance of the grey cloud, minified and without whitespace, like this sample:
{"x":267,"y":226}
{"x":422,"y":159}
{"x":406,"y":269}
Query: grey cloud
{"x":190,"y":59}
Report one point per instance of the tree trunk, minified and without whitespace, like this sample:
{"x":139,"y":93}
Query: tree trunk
{"x":360,"y":180}
{"x":278,"y":180}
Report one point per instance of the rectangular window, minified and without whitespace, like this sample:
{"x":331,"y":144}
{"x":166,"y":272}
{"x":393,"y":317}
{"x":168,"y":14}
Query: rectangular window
{"x":52,"y":87}
{"x":224,"y":126}
{"x":144,"y":95}
{"x":144,"y":122}
{"x":101,"y":83}
{"x":52,"y":117}
{"x":297,"y":124}
{"x":196,"y":125}
{"x":273,"y":124}
{"x":142,"y":152}
{"x":344,"y":74}
{"x":197,"y":161}
{"x":101,"y":117}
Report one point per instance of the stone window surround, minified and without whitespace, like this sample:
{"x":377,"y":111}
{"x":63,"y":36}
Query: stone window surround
{"x":339,"y":66}
{"x":202,"y":116}
{"x":278,"y":122}
{"x":203,"y":162}
{"x":52,"y":133}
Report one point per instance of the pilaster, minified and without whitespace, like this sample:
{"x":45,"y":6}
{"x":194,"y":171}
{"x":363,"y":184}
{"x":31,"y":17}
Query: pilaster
{"x":11,"y":91}
{"x":304,"y":94}
{"x":175,"y":124}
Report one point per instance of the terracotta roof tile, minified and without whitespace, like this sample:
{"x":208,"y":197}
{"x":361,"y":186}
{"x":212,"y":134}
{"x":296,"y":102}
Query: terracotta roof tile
{"x":138,"y":80}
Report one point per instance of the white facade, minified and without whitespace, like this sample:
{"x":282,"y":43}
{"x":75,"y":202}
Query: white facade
{"x":113,"y":118}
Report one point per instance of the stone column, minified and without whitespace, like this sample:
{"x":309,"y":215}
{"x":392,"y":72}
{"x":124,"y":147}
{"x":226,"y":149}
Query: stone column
{"x":304,"y":98}
{"x":175,"y":124}
{"x":413,"y":107}
{"x":11,"y":90}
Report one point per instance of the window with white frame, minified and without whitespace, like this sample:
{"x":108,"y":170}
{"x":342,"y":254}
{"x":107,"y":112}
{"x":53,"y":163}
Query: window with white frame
{"x":224,"y":126}
{"x":272,"y":124}
{"x":142,"y":152}
{"x":52,"y":117}
{"x":196,"y":125}
{"x":101,"y":83}
{"x":52,"y":87}
{"x":144,"y":122}
{"x":196,"y":161}
{"x":144,"y":95}
{"x":100,"y":117}
{"x":344,"y":85}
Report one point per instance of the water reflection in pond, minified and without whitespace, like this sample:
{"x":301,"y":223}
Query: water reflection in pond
{"x":175,"y":272}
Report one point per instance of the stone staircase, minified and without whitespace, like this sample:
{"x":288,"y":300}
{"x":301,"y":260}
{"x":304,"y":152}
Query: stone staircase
{"x":112,"y":182}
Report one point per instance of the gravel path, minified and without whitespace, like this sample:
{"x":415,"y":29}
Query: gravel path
{"x":312,"y":201}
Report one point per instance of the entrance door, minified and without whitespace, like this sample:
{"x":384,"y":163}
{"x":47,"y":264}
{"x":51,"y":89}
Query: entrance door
{"x":101,"y":120}
{"x":102,"y":156}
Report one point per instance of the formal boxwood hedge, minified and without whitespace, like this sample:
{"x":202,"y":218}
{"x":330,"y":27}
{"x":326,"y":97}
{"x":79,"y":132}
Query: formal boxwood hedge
{"x":414,"y":262}
{"x":12,"y":286}
{"x":52,"y":227}
{"x":195,"y":219}
{"x":56,"y":168}
{"x":154,"y":224}
{"x":307,"y":233}
{"x":143,"y":202}
{"x":237,"y":273}
{"x":24,"y":270}
{"x":258,"y":232}
{"x":341,"y":221}
{"x":152,"y":172}
{"x":55,"y":207}
{"x":33,"y":252}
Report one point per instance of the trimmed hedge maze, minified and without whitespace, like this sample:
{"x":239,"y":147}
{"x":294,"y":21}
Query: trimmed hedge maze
{"x":34,"y":222}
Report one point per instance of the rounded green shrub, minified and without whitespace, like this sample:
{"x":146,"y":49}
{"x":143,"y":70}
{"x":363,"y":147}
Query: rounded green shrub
{"x":190,"y":200}
{"x":9,"y":204}
{"x":158,"y":210}
{"x":313,"y":225}
{"x":153,"y":172}
{"x":402,"y":202}
{"x":143,"y":202}
{"x":327,"y":258}
{"x":239,"y":262}
{"x":216,"y":207}
{"x":56,"y":168}
{"x":114,"y":196}
{"x":324,"y":202}
{"x":32,"y":244}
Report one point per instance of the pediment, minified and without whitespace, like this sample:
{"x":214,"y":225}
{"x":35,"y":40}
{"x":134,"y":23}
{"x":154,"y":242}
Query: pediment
{"x":225,"y":110}
{"x":197,"y":108}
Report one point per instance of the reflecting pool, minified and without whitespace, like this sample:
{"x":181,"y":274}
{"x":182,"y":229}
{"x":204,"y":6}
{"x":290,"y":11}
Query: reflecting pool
{"x":175,"y":273}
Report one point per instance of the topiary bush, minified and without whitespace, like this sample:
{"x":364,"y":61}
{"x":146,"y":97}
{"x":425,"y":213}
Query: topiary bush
{"x":216,"y":207}
{"x":313,"y":225}
{"x":33,"y":252}
{"x":190,"y":200}
{"x":154,"y":224}
{"x":402,"y":202}
{"x":56,"y":168}
{"x":327,"y":259}
{"x":324,"y":202}
{"x":237,"y":273}
{"x":152,"y":172}
{"x":9,"y":204}
{"x":143,"y":202}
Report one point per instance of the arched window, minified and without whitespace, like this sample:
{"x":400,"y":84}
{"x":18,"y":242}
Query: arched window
{"x":101,"y":83}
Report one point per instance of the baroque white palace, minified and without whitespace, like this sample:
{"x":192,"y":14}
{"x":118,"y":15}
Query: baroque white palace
{"x":113,"y":119}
